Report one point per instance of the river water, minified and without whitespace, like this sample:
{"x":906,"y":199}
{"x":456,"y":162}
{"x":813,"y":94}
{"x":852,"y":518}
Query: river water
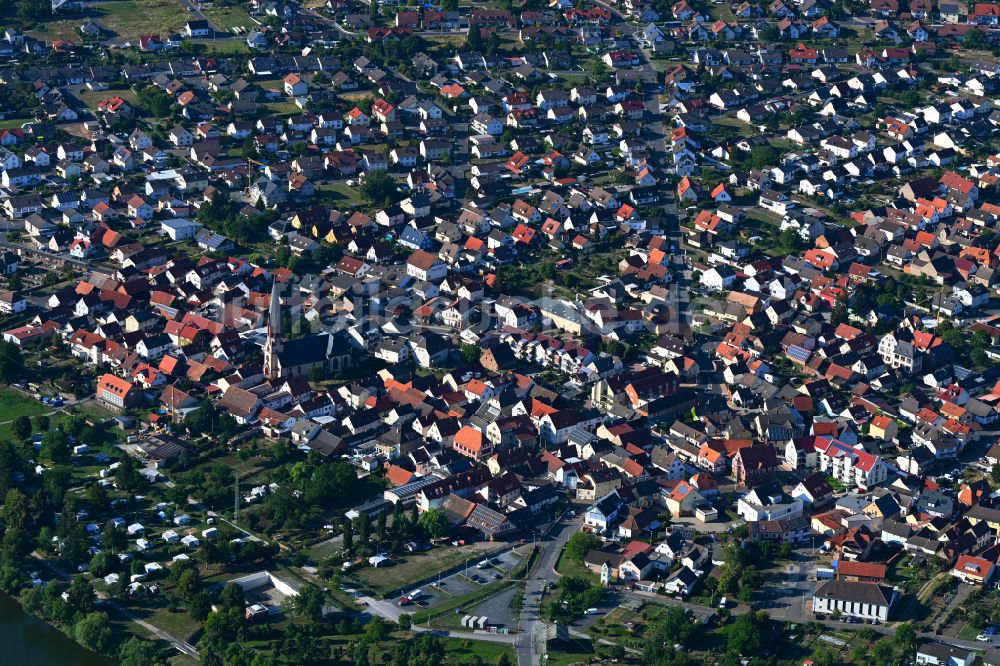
{"x":26,"y":640}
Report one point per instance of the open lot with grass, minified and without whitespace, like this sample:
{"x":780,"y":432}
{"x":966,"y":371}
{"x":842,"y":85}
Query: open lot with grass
{"x":61,"y":29}
{"x":179,"y":623}
{"x":418,"y":567}
{"x":340,"y":194}
{"x":14,"y":404}
{"x":459,"y":649}
{"x":94,"y":97}
{"x":222,"y":46}
{"x":133,"y":18}
{"x":282,"y":108}
{"x":128,"y":19}
{"x":227,"y":18}
{"x":93,"y":411}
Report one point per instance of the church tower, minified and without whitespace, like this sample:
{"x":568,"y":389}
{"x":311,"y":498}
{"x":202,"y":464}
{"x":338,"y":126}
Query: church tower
{"x":273,"y":345}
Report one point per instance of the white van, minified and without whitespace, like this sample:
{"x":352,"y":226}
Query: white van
{"x":591,"y":611}
{"x":722,"y":602}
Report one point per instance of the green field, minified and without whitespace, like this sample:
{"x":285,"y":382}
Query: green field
{"x":417,"y":567}
{"x":340,"y":194}
{"x":179,"y":625}
{"x":457,"y":648}
{"x":133,"y":18}
{"x":227,"y":18}
{"x":94,"y":97}
{"x":282,"y":108}
{"x":222,"y":46}
{"x":128,"y":19}
{"x":14,"y":404}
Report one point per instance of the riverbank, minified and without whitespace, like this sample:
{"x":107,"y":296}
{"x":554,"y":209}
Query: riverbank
{"x":28,"y":640}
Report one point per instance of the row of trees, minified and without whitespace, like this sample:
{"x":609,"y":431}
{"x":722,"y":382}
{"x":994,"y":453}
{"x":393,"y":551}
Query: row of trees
{"x":359,"y":533}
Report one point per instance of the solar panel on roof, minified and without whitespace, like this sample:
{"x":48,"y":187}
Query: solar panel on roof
{"x":798,"y":353}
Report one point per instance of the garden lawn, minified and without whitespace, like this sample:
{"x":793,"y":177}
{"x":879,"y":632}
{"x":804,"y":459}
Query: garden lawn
{"x":14,"y":122}
{"x":567,"y":567}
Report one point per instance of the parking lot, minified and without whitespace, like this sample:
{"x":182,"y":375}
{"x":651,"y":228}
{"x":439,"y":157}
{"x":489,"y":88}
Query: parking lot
{"x":460,"y":583}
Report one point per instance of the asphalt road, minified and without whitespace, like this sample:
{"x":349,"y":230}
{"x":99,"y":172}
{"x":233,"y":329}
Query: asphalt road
{"x":531,"y":637}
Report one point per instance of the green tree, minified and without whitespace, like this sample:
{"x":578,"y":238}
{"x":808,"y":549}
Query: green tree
{"x":10,"y":463}
{"x":137,"y":652}
{"x":379,"y":188}
{"x":763,"y":156}
{"x":975,"y":39}
{"x":34,"y":10}
{"x":200,"y":606}
{"x":32,"y":599}
{"x":906,"y":639}
{"x":73,"y":425}
{"x":376,"y":629}
{"x":747,"y":635}
{"x":80,"y":596}
{"x":102,"y":564}
{"x":127,"y":475}
{"x":397,"y":517}
{"x":470,"y":353}
{"x":232,"y":597}
{"x":189,"y":583}
{"x":42,"y":423}
{"x":580,"y":544}
{"x":434,"y":523}
{"x":474,"y":40}
{"x":15,"y":509}
{"x":156,"y":102}
{"x":881,"y":652}
{"x":349,"y":536}
{"x":364,"y":529}
{"x":93,"y":631}
{"x":21,"y":428}
{"x":839,"y":314}
{"x":308,"y":604}
{"x":55,"y":446}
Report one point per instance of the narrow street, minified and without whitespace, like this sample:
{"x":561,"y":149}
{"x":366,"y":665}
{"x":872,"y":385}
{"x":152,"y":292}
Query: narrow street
{"x":531,"y":636}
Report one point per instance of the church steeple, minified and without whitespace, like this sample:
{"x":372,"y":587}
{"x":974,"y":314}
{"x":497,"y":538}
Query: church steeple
{"x":272,"y":347}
